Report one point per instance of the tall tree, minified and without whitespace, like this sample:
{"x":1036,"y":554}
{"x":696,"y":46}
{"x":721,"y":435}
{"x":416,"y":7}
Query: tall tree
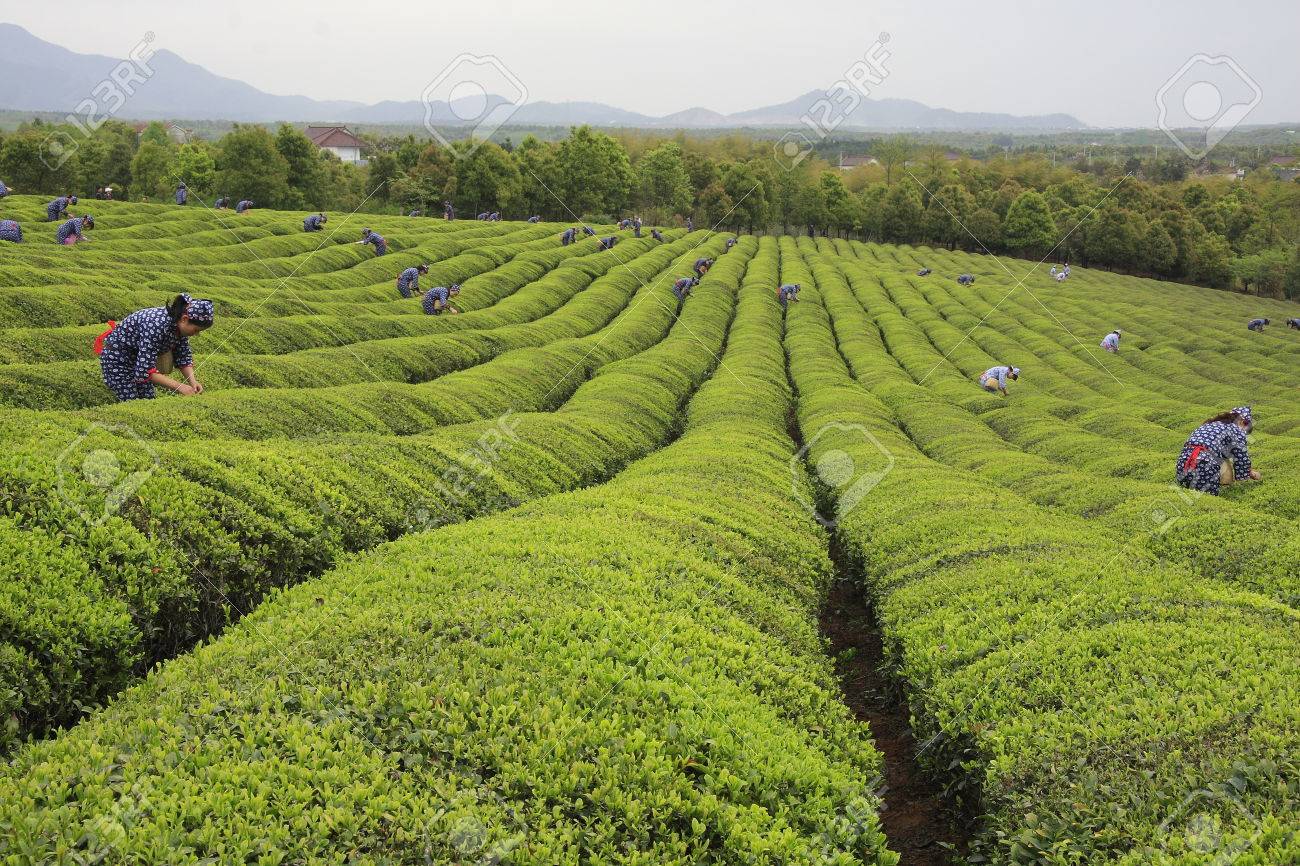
{"x":150,"y":170}
{"x":901,"y":213}
{"x":662,"y":183}
{"x":195,"y":167}
{"x":487,"y":179}
{"x":249,"y":166}
{"x":595,"y":175}
{"x":1029,"y":226}
{"x":893,"y":153}
{"x":306,"y":173}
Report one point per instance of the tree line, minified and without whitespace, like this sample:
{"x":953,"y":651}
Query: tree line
{"x":1216,"y":231}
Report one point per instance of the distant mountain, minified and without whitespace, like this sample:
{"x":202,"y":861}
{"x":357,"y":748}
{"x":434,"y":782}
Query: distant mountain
{"x":41,"y":76}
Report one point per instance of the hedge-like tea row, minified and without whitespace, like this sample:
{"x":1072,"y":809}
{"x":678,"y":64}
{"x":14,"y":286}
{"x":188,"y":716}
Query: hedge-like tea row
{"x":1218,"y":538}
{"x":215,"y":524}
{"x":596,"y":289}
{"x":73,"y":385}
{"x":1095,"y":708}
{"x":382,"y":316}
{"x":355,"y":280}
{"x":626,"y":674}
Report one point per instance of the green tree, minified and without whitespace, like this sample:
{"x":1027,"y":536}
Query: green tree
{"x":156,"y":133}
{"x":947,"y":215}
{"x":306,"y":173}
{"x":595,"y":176}
{"x":249,"y":166}
{"x":715,"y":205}
{"x":28,"y":164}
{"x":901,"y":213}
{"x":747,"y":194}
{"x":150,"y":170}
{"x":195,"y":167}
{"x":702,"y":171}
{"x":381,"y":171}
{"x":663,"y":185}
{"x":539,"y":177}
{"x":487,"y":179}
{"x":1029,"y":227}
{"x":1114,"y":239}
{"x":893,"y":153}
{"x":1212,"y":262}
{"x":1159,"y":252}
{"x":985,"y":225}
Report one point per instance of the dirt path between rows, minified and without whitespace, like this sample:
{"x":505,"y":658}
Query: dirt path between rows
{"x":915,"y":818}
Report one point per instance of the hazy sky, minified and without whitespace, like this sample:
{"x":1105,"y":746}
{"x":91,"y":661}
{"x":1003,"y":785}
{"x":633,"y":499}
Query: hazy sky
{"x":1102,"y":60}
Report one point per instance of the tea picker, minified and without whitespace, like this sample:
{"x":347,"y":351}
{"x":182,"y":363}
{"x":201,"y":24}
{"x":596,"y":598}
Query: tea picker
{"x":138,"y":353}
{"x":702,"y":266}
{"x":1256,"y":324}
{"x":787,"y":293}
{"x":11,"y":231}
{"x":654,"y":233}
{"x":683,"y":286}
{"x":608,"y":243}
{"x":1110,"y":342}
{"x":74,"y":230}
{"x":1216,"y":453}
{"x":568,"y":236}
{"x":924,"y":272}
{"x":408,"y":282}
{"x":375,"y":238}
{"x":966,"y":280}
{"x":315,"y":223}
{"x":436,"y":300}
{"x":1293,"y":323}
{"x":4,"y":190}
{"x":58,"y":208}
{"x":994,"y":379}
{"x":244,"y":206}
{"x":534,"y":219}
{"x":182,"y":194}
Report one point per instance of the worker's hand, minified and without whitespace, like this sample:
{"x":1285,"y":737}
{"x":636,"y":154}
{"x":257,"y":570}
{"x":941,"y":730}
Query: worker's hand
{"x":1254,"y":475}
{"x":185,"y":390}
{"x":197,"y":386}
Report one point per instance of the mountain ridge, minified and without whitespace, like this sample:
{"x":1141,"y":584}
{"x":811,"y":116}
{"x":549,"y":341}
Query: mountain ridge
{"x":43,"y":76}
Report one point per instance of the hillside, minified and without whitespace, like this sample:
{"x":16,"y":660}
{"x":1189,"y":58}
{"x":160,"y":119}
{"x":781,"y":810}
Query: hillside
{"x":541,"y":582}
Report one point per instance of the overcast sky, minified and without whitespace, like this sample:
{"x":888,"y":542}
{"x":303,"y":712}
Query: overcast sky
{"x":1102,"y":61}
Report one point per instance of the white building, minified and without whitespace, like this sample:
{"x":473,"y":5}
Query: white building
{"x":338,"y":141}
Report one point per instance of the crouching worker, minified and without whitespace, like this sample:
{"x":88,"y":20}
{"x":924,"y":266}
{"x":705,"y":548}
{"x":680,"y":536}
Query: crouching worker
{"x":787,"y":293}
{"x":408,"y":282}
{"x":1216,"y":453}
{"x":371,"y":237}
{"x":1256,"y":324}
{"x":1294,"y":324}
{"x":924,"y":272}
{"x":138,"y":353}
{"x":315,"y":223}
{"x":74,"y":230}
{"x":608,"y":243}
{"x":437,"y":299}
{"x":683,"y":287}
{"x":11,"y":231}
{"x":1110,"y":342}
{"x":994,"y":379}
{"x":966,"y":280}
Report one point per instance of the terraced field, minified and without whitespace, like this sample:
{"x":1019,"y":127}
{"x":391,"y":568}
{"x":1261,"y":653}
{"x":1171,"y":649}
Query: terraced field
{"x":541,"y":582}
